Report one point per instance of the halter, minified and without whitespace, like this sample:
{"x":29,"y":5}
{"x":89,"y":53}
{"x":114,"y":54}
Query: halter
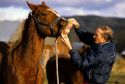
{"x":51,"y":26}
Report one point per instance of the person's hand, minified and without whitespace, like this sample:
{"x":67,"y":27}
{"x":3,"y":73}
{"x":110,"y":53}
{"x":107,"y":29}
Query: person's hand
{"x":74,"y":22}
{"x":66,"y":41}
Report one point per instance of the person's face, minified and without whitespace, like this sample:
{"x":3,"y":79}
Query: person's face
{"x":98,"y":36}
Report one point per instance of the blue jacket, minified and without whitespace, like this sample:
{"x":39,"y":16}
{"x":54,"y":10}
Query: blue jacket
{"x":97,"y":63}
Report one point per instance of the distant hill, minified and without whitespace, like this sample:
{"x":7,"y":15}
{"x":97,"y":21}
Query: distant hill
{"x":7,"y":28}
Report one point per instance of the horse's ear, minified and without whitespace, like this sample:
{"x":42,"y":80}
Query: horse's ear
{"x":44,"y":4}
{"x":32,"y":6}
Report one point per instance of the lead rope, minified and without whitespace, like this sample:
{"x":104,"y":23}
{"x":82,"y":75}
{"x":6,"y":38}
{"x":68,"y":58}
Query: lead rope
{"x":57,"y":71}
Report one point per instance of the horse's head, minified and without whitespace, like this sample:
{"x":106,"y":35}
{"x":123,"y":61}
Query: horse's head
{"x":48,"y":21}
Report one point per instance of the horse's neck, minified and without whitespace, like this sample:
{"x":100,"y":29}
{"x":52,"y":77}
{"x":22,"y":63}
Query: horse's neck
{"x":31,"y":44}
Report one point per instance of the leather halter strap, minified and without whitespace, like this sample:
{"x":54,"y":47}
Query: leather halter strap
{"x":51,"y":25}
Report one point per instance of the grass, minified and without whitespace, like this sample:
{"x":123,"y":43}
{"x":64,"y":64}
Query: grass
{"x":118,"y":72}
{"x":117,"y":78}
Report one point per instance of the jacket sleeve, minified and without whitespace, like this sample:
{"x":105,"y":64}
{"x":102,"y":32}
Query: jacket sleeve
{"x":85,"y":36}
{"x":89,"y":60}
{"x":75,"y":58}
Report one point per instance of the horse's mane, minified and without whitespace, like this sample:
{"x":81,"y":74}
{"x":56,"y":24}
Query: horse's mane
{"x":20,"y":38}
{"x":17,"y":37}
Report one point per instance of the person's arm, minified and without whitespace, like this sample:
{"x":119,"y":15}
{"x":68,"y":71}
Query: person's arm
{"x":91,"y":59}
{"x":81,"y":62}
{"x":85,"y":36}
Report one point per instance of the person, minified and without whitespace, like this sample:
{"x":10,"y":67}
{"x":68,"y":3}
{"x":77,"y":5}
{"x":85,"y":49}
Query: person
{"x":96,"y":64}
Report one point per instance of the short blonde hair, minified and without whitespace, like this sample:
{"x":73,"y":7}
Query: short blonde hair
{"x":107,"y":32}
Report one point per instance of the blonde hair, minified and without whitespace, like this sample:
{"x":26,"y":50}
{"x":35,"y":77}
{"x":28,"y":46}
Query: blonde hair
{"x":107,"y":32}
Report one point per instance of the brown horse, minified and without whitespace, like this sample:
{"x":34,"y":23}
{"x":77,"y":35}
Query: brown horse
{"x":22,"y":65}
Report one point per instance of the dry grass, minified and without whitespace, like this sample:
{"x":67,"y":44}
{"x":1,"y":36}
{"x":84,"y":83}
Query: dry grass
{"x":118,"y":72}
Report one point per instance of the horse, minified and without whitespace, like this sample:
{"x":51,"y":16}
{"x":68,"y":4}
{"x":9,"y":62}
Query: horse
{"x":21,"y":64}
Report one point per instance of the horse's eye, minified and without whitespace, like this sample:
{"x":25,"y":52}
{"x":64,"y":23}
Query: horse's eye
{"x":42,"y":14}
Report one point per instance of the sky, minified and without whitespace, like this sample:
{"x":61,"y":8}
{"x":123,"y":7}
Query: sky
{"x":13,"y":10}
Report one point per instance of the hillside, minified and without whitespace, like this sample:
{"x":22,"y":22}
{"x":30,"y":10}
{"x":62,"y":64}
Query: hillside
{"x":7,"y":28}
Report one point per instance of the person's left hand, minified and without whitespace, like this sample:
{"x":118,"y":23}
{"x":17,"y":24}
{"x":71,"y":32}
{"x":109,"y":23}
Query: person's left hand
{"x":66,"y":41}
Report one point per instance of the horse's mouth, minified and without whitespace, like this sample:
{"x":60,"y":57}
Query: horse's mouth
{"x":61,"y":26}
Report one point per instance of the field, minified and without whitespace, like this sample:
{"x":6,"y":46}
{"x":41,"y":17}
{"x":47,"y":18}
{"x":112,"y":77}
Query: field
{"x":118,"y":72}
{"x":117,"y":78}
